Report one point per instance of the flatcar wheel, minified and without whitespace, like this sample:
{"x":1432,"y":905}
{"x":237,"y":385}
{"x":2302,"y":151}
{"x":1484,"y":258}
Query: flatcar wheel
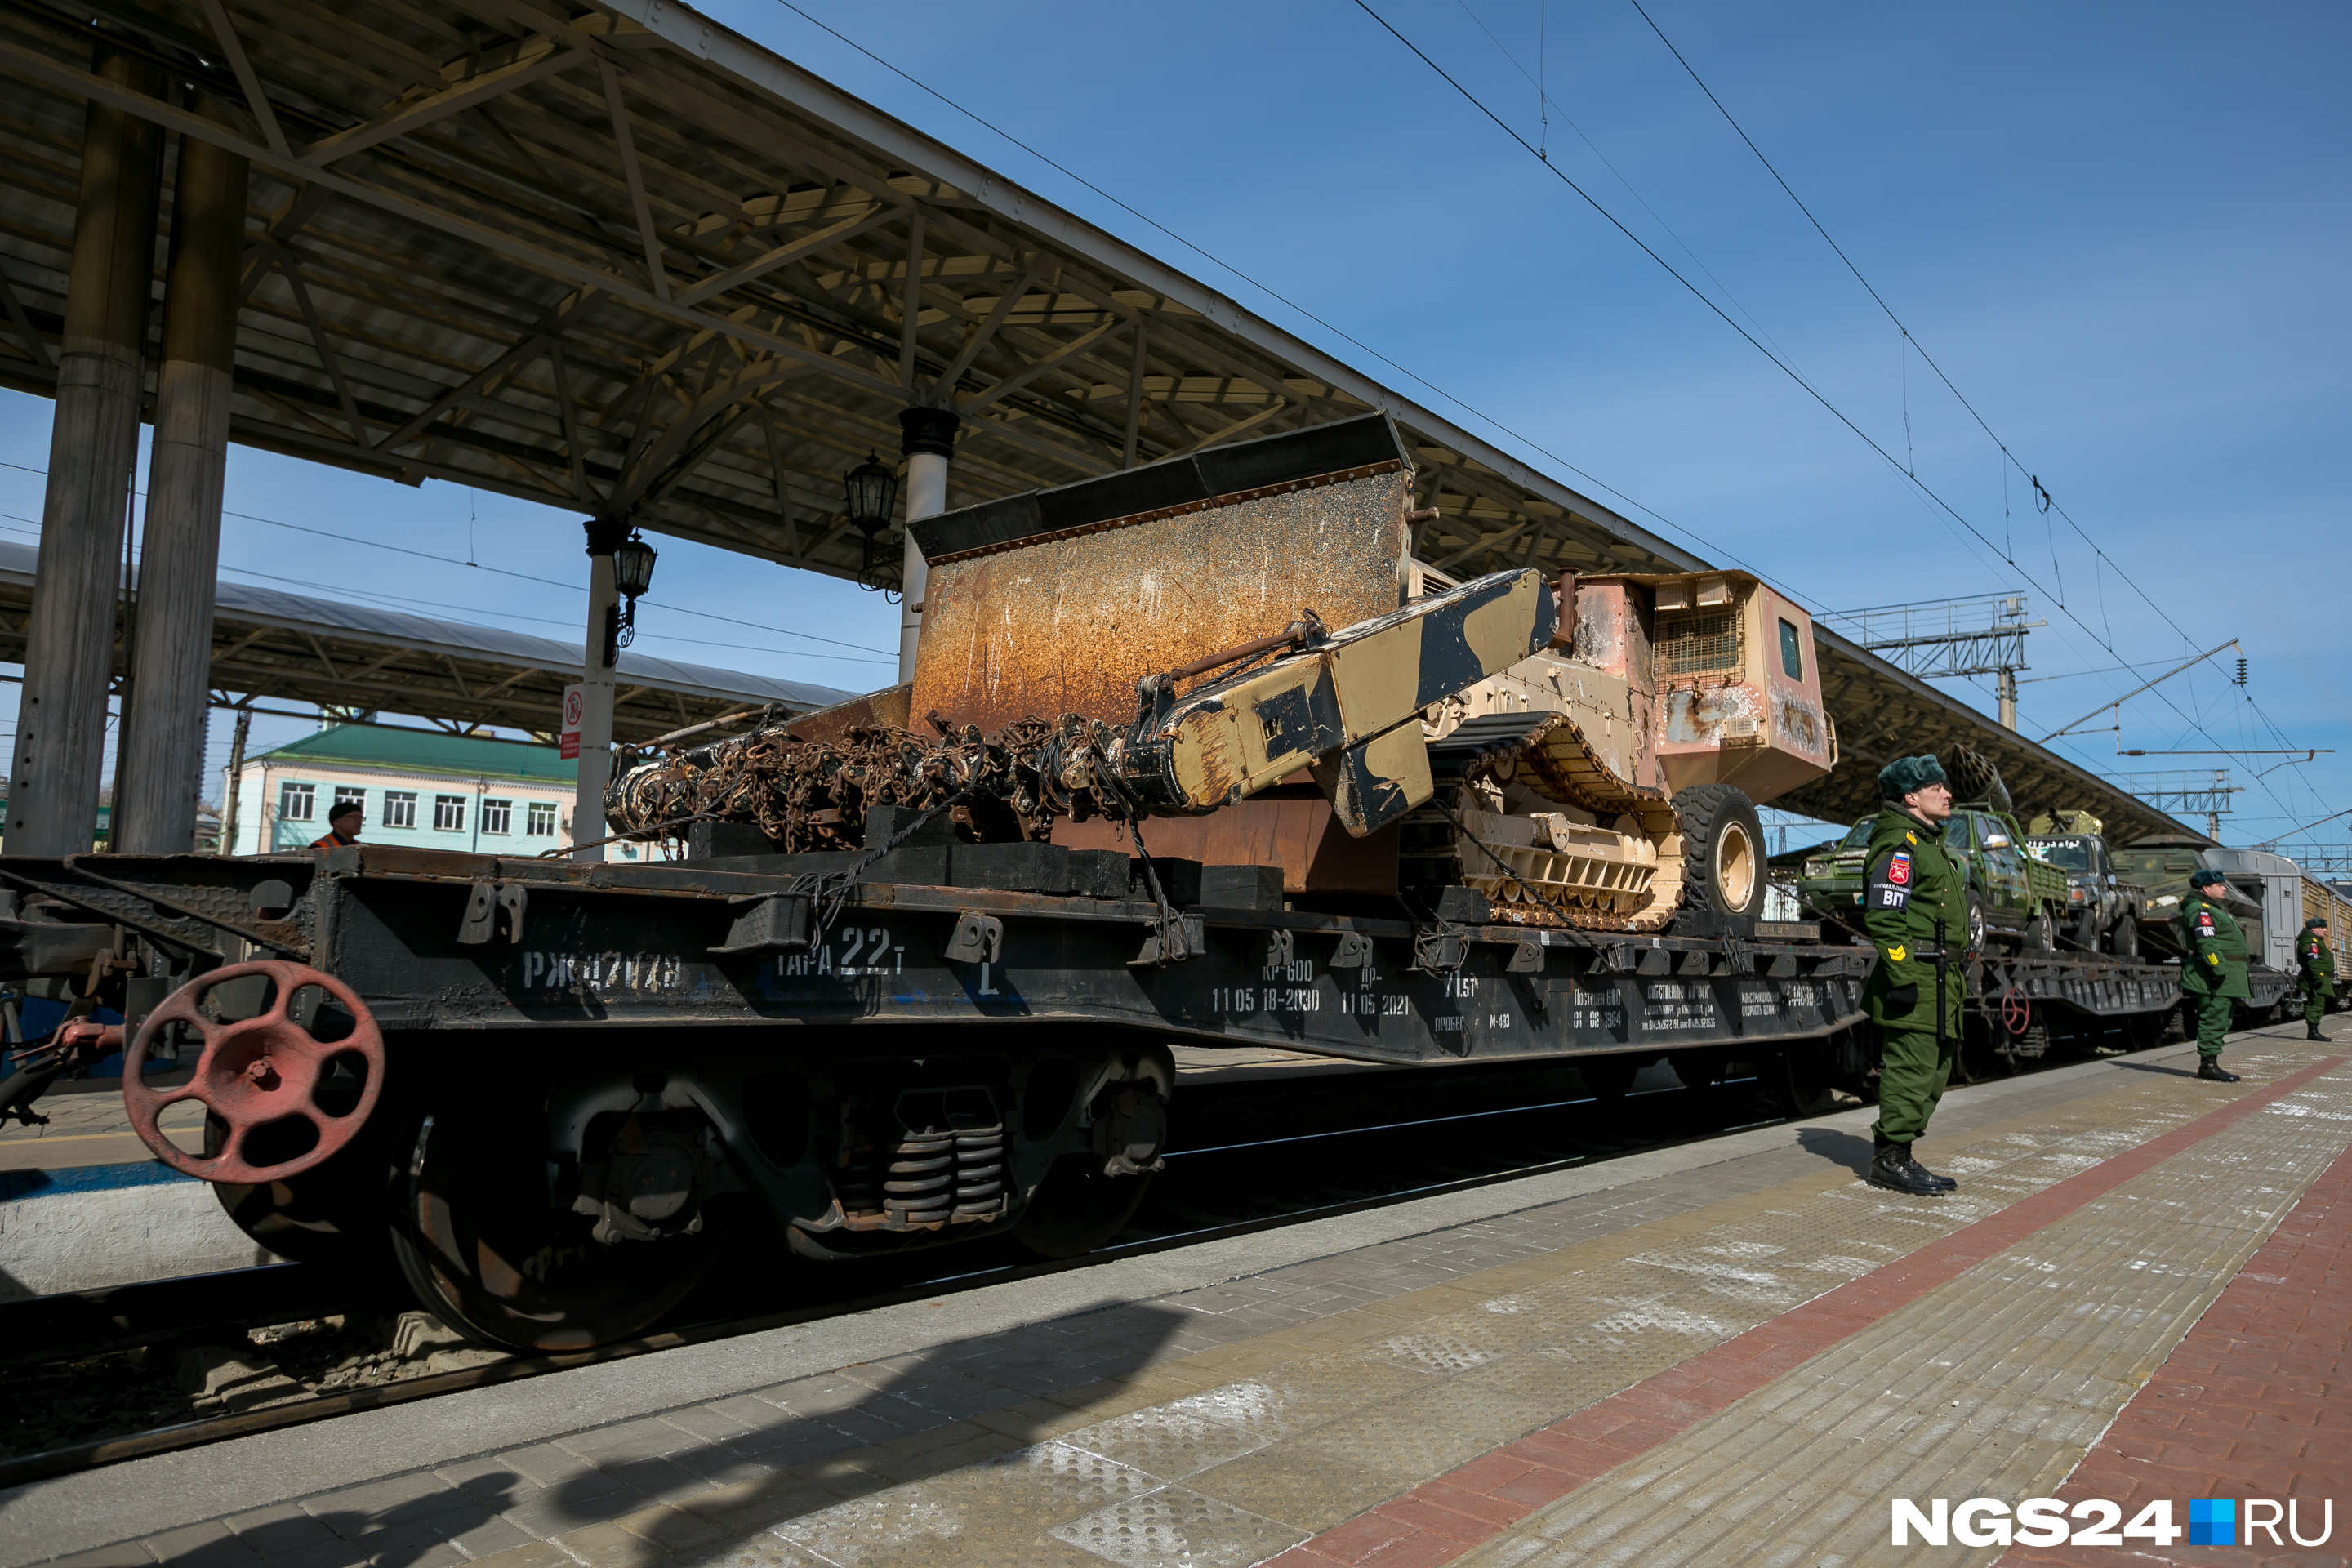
{"x":331,"y":1215}
{"x":484,"y":1249}
{"x":1077,"y":1208}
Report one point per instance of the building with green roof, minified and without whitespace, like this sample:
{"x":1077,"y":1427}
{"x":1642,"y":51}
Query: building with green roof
{"x":417,"y":787}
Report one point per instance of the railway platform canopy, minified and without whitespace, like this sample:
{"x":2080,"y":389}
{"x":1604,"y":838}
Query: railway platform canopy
{"x":282,"y":647}
{"x":1717,"y":1352}
{"x":615,"y":258}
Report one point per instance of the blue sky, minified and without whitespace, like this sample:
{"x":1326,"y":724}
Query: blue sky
{"x":2121,"y":231}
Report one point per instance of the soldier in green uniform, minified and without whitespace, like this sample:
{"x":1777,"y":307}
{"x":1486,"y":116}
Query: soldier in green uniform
{"x":1912,"y":884}
{"x":2213,"y":974}
{"x":2316,"y":965}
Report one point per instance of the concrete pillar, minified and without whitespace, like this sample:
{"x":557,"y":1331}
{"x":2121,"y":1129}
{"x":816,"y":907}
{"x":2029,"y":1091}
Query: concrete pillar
{"x":929,"y":442}
{"x":229,"y":791}
{"x":2007,"y":698}
{"x":597,"y":676}
{"x":159,"y":765}
{"x":93,"y":442}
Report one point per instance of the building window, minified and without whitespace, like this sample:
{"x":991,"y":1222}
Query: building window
{"x":297,"y":802}
{"x":498,"y":816}
{"x":399,"y":808}
{"x":541,"y":823}
{"x":448,"y":814}
{"x":1792,"y":657}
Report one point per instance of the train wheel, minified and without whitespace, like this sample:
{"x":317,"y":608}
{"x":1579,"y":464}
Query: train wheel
{"x":484,"y":1249}
{"x":1609,"y":1078}
{"x":1799,"y":1079}
{"x":1077,"y":1208}
{"x":332,"y":1215}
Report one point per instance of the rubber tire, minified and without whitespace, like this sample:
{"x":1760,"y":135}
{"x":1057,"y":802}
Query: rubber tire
{"x":1720,"y":824}
{"x":1975,"y":936}
{"x":1077,"y":1208}
{"x":2124,"y":940}
{"x":2040,"y":934}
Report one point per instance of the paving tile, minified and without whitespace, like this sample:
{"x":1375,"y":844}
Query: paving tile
{"x":1176,"y":1526}
{"x":608,"y":1545}
{"x":532,"y":1555}
{"x":121,"y":1554}
{"x":1166,"y":1443}
{"x":1299,"y":1486}
{"x":201,"y":1545}
{"x":1045,"y":1485}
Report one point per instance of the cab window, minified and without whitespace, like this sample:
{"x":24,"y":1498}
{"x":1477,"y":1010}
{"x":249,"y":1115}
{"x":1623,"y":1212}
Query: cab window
{"x":1858,"y":837}
{"x":1992,"y":833}
{"x":1956,"y":832}
{"x":1792,"y":652}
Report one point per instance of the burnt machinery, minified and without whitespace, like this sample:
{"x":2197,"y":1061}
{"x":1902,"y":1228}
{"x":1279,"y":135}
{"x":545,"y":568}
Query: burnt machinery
{"x":1193,"y":753}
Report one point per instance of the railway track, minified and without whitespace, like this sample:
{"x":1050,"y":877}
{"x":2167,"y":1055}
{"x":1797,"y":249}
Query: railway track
{"x":99,"y":1356}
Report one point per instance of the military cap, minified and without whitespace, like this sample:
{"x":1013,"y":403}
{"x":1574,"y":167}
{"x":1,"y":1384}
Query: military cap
{"x":2316,"y":923}
{"x":1903,"y":774}
{"x":2206,"y":876}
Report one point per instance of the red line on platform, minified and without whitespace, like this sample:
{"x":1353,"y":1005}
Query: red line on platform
{"x":2249,"y":1405}
{"x":1442,"y":1518}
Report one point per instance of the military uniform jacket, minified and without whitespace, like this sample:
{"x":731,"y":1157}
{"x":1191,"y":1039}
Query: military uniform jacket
{"x":2216,"y":946}
{"x":2316,"y":962}
{"x":1912,"y":883}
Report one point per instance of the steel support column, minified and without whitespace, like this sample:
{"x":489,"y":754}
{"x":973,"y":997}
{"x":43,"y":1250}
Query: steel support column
{"x":160,"y":761}
{"x":93,"y":443}
{"x":603,"y":651}
{"x":929,"y":442}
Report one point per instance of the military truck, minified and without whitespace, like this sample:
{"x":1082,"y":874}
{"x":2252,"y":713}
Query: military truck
{"x":2102,"y":907}
{"x":2014,"y":896}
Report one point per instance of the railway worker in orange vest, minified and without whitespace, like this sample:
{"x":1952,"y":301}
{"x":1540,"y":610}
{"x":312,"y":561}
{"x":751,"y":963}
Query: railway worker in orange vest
{"x":342,"y":826}
{"x":1913,"y":884}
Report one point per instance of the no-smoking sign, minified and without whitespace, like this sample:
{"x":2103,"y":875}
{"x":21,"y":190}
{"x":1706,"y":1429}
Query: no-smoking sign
{"x":575,"y":706}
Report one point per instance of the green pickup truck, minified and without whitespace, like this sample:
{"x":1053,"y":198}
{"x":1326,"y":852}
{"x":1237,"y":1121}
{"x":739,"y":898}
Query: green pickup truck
{"x":2015,"y":896}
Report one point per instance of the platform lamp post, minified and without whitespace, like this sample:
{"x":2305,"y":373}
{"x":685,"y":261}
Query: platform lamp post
{"x":620,"y":565}
{"x":869,"y":492}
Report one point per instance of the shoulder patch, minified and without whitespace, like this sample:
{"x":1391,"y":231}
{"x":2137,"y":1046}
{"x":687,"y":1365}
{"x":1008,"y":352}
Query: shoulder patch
{"x":1898,"y":869}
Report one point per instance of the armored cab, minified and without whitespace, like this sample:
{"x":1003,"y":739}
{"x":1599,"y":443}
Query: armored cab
{"x":1695,"y":692}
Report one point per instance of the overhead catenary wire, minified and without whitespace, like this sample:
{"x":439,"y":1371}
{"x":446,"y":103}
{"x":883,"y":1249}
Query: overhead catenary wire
{"x":1880,"y":300}
{"x":1926,"y":491}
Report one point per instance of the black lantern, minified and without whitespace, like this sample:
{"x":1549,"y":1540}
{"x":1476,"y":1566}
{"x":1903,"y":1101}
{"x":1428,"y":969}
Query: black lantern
{"x":872,"y":489}
{"x":633,"y":573}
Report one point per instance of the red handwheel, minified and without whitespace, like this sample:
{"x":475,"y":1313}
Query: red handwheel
{"x":262,"y":1078}
{"x":2016,"y":1011}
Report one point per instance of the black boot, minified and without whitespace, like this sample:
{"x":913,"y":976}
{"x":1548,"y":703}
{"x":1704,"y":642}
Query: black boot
{"x":1892,"y":1167}
{"x":2311,"y":1031}
{"x":1945,"y":1182}
{"x":2212,"y":1070}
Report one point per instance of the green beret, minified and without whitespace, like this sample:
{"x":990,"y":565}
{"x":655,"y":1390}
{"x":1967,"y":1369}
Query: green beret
{"x":2206,"y":876}
{"x":1903,"y":774}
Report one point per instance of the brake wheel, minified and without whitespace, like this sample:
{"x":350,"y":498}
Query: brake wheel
{"x":280,"y":1096}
